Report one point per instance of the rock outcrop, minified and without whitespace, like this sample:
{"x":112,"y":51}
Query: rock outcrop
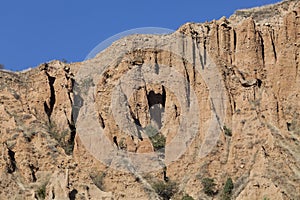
{"x":222,"y":97}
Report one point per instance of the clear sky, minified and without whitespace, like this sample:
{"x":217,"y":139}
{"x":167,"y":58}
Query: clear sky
{"x":37,"y":31}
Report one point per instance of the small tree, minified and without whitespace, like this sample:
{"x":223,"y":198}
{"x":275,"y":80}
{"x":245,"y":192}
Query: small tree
{"x":208,"y":186}
{"x":1,"y":66}
{"x":227,"y":190}
{"x":228,"y":187}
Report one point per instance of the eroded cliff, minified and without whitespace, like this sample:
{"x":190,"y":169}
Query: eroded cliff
{"x":241,"y":77}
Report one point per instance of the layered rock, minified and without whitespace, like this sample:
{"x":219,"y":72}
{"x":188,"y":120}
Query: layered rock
{"x":243,"y":73}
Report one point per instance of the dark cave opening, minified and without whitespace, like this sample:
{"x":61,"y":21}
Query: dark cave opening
{"x":156,"y":103}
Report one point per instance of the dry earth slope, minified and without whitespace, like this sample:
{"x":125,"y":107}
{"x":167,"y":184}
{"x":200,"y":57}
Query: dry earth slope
{"x":244,"y":73}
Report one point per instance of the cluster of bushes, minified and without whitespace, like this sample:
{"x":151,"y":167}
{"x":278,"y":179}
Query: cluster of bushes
{"x":60,"y":136}
{"x":165,"y":189}
{"x":209,"y":186}
{"x":210,"y":190}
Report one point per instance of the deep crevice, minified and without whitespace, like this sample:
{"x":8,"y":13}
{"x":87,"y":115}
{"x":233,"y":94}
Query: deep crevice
{"x":72,"y":194}
{"x":166,"y":178}
{"x":156,"y":63}
{"x":194,"y":62}
{"x":188,"y":89}
{"x":49,"y":108}
{"x":12,"y":162}
{"x":259,"y":82}
{"x":135,"y":119}
{"x":177,"y":113}
{"x":215,"y":112}
{"x":218,"y":39}
{"x":262,"y":48}
{"x":70,"y":90}
{"x":200,"y":56}
{"x":115,"y":139}
{"x":234,"y":106}
{"x":33,"y":170}
{"x":101,"y":121}
{"x":277,"y":110}
{"x":72,"y":127}
{"x":194,"y":53}
{"x":234,"y":40}
{"x":78,"y":101}
{"x":297,"y":63}
{"x":274,"y":48}
{"x":72,"y":121}
{"x":289,"y":125}
{"x":205,"y":52}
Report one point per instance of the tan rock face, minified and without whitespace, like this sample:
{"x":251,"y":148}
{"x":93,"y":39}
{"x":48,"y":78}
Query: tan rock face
{"x":236,"y":83}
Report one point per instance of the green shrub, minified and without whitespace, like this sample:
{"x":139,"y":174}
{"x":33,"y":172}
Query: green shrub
{"x":61,"y":137}
{"x":228,"y":187}
{"x":165,"y":189}
{"x":208,"y":186}
{"x":157,"y":139}
{"x":187,"y":197}
{"x":227,"y":131}
{"x":41,"y":191}
{"x":227,"y":190}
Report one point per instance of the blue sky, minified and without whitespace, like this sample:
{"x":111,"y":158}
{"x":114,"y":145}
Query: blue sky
{"x":35,"y":31}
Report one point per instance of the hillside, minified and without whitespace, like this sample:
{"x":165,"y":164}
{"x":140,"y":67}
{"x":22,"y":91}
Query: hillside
{"x":162,"y":116}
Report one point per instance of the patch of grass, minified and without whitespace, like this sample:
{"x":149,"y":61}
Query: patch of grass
{"x":165,"y":189}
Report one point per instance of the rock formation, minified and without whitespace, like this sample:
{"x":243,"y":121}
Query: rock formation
{"x":230,"y":101}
